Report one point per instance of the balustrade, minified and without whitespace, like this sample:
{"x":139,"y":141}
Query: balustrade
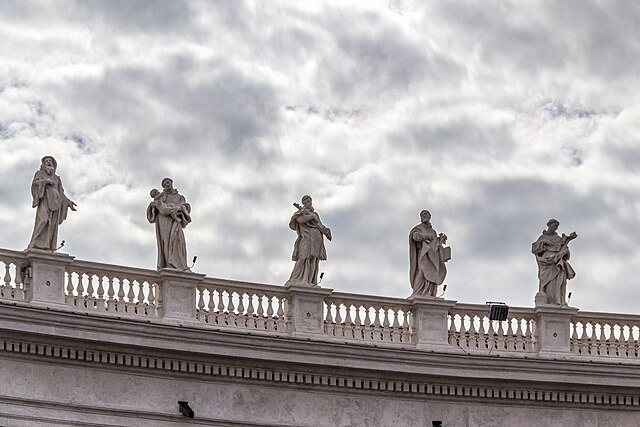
{"x":231,"y":304}
{"x":471,"y":329}
{"x":132,"y":292}
{"x":15,"y":278}
{"x":601,"y":334}
{"x":363,"y":318}
{"x":107,"y":288}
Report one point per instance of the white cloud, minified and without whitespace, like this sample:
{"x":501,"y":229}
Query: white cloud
{"x":493,"y":116}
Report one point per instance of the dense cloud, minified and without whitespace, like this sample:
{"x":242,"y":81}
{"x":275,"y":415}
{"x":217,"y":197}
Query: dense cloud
{"x":494,"y":116}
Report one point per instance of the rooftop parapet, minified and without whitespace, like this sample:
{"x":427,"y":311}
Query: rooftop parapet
{"x":54,"y":281}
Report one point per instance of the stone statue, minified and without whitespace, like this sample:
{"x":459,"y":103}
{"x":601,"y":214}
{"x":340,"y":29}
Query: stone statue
{"x":171,"y":213}
{"x":308,"y":250}
{"x":427,"y":257}
{"x":51,"y":203}
{"x":552,"y":255}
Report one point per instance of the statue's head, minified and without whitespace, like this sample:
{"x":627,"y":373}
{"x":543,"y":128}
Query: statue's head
{"x":167,"y":184}
{"x":306,"y":200}
{"x":49,"y":164}
{"x":425,"y":216}
{"x":553,"y":224}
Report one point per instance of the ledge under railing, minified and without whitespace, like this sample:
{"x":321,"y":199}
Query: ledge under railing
{"x":59,"y":282}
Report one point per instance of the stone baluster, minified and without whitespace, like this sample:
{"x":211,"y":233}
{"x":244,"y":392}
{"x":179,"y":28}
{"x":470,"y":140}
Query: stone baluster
{"x":260,"y":320}
{"x":281,"y":324}
{"x":7,"y":275}
{"x":80,"y":291}
{"x":120,"y":303}
{"x":131,"y":295}
{"x":201,"y":313}
{"x":348,"y":322}
{"x":111,"y":303}
{"x":100,"y":302}
{"x":90,"y":302}
{"x":70,"y":299}
{"x":139,"y":299}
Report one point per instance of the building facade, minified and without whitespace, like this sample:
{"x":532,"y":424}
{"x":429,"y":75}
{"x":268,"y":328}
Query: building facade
{"x":84,"y":343}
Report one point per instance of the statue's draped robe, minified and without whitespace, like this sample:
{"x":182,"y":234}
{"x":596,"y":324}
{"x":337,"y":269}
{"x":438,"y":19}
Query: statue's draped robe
{"x":172,"y":246}
{"x":52,"y":207}
{"x":308,"y":250}
{"x":427,"y":267}
{"x":552,"y":274}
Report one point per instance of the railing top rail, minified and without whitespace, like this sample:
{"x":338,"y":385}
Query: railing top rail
{"x":81,"y":266}
{"x":586,"y":316}
{"x":245,"y":286}
{"x":371,"y":299}
{"x":484,"y":309}
{"x":12,"y":255}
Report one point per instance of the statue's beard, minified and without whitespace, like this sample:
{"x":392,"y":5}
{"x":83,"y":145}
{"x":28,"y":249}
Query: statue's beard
{"x":49,"y":169}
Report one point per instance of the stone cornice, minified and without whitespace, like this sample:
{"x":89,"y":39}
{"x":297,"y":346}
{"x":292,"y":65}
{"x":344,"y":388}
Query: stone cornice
{"x":87,"y":333}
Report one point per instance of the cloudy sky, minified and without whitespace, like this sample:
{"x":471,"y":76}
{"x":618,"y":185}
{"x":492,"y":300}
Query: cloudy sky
{"x":495,"y":116}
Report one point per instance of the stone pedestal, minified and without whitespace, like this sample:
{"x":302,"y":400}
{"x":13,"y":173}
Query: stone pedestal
{"x":429,"y":323}
{"x":46,"y":278}
{"x":306,"y":310}
{"x":552,"y":330}
{"x":178,"y":294}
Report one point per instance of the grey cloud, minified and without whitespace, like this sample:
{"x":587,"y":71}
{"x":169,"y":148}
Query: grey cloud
{"x":137,"y":15}
{"x":164,"y":109}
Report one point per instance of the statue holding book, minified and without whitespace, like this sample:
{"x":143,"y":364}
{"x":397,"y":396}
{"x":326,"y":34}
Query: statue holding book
{"x":427,"y":257}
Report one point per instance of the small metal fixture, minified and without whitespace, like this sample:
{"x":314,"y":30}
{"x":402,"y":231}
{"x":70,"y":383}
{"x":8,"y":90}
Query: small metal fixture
{"x":498,"y":310}
{"x":185,"y":409}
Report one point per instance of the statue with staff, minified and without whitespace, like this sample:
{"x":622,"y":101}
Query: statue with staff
{"x":308,"y":249}
{"x":552,"y":255}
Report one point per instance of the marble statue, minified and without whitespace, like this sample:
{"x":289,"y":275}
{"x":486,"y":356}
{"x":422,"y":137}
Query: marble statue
{"x":308,"y":250}
{"x":51,"y":203}
{"x":552,"y":255}
{"x":427,"y":257}
{"x":171,"y":213}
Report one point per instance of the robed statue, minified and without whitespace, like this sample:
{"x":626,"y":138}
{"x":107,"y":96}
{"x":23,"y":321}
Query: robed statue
{"x":171,"y":213}
{"x":552,"y":255}
{"x":308,"y":249}
{"x":427,"y":257}
{"x":51,"y":205}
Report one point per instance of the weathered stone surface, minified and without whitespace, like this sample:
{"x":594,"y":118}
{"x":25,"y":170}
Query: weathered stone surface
{"x":51,"y":205}
{"x":427,"y":257}
{"x":552,"y":255}
{"x":308,"y":249}
{"x":171,"y":213}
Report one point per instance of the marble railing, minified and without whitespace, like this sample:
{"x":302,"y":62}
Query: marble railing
{"x":14,"y":275}
{"x":471,"y":329}
{"x":96,"y":287}
{"x":59,"y":282}
{"x":367,"y":318}
{"x":605,"y":334}
{"x":250,"y":306}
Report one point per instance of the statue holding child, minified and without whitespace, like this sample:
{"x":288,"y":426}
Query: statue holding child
{"x":171,"y":213}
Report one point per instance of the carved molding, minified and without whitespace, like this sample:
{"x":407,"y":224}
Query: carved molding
{"x":170,"y":366}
